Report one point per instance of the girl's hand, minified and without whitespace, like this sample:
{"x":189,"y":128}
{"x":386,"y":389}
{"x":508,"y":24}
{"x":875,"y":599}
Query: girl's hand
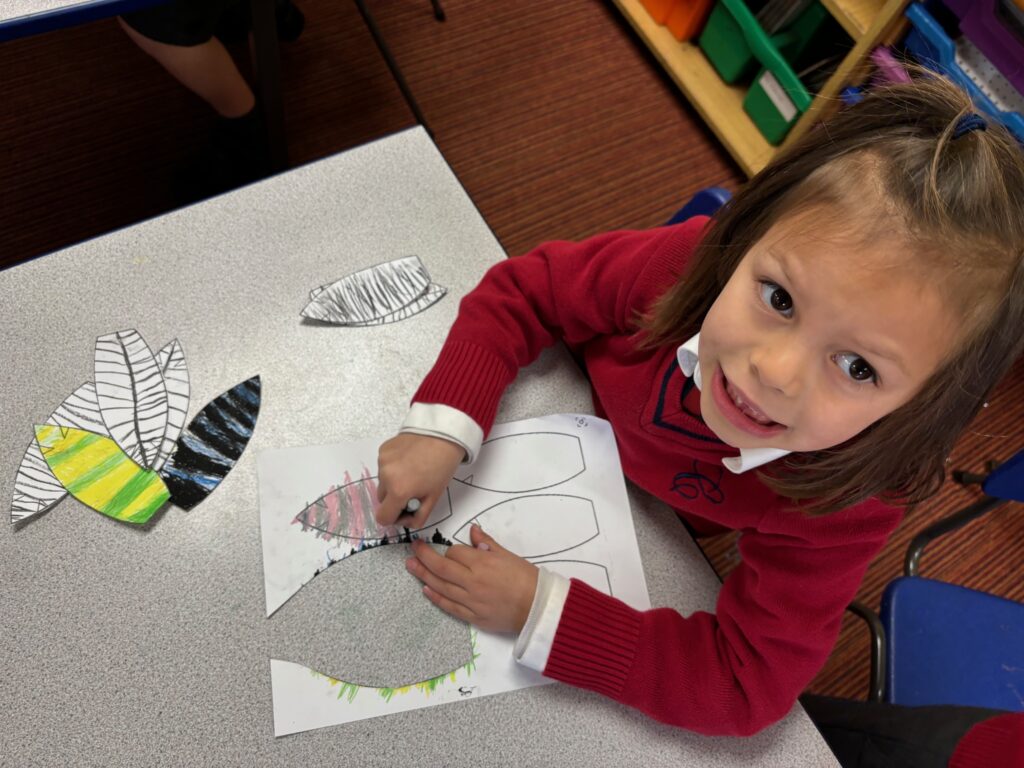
{"x":485,"y":585}
{"x":414,"y":467}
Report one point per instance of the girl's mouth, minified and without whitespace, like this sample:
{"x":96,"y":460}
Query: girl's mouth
{"x":740,"y":410}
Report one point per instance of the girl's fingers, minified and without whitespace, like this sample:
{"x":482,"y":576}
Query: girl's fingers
{"x":389,"y":509}
{"x":449,"y":606}
{"x":451,"y":591}
{"x":482,"y":540}
{"x":463,"y":555}
{"x":445,"y":567}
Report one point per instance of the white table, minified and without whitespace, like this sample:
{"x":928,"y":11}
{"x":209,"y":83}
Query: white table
{"x":129,"y":647}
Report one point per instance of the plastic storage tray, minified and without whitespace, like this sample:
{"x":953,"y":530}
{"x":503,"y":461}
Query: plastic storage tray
{"x":736,"y":44}
{"x":989,"y":90}
{"x":980,"y":23}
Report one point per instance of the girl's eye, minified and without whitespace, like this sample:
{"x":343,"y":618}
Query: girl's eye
{"x":777,"y":298}
{"x":856,"y":367}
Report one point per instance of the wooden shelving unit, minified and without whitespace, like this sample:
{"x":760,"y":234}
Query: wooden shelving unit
{"x":856,"y":16}
{"x":869,"y":23}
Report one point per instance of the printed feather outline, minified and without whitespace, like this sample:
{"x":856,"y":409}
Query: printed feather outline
{"x":305,"y":517}
{"x":131,"y":394}
{"x":36,"y":489}
{"x":371,"y":294}
{"x":587,"y":525}
{"x":174,"y":369}
{"x":430,"y":297}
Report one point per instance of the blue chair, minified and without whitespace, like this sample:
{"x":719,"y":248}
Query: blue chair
{"x":940,"y":643}
{"x":706,"y":202}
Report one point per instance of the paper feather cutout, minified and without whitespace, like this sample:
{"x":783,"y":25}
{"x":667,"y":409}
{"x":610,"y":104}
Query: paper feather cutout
{"x":35,"y":487}
{"x":99,"y":474}
{"x":112,"y":443}
{"x":131,"y":394}
{"x":385,"y":293}
{"x":212,"y":443}
{"x":171,"y":362}
{"x":80,"y":410}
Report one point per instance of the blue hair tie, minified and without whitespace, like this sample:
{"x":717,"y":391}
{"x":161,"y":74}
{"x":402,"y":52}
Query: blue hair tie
{"x":969,"y":122}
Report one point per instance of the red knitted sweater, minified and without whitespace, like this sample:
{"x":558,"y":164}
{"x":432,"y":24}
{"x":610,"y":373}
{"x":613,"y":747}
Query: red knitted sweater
{"x":998,"y":741}
{"x":778,"y":613}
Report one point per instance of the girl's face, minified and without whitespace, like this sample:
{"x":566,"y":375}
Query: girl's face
{"x":813,"y":339}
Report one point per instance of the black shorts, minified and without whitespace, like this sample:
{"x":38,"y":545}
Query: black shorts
{"x":180,"y":22}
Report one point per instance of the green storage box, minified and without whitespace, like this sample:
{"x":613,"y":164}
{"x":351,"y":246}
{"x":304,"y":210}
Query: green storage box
{"x":732,"y":38}
{"x":736,"y":45}
{"x":770,"y":107}
{"x":722,"y":42}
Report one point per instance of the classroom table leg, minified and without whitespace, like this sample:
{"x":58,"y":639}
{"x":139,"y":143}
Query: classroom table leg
{"x":267,"y":65}
{"x":396,"y":73}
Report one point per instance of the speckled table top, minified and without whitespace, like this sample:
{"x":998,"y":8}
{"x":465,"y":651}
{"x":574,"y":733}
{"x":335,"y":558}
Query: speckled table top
{"x":149,"y":647}
{"x":17,"y":9}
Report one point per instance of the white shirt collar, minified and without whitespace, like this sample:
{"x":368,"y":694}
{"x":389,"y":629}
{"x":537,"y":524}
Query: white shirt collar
{"x":749,"y":458}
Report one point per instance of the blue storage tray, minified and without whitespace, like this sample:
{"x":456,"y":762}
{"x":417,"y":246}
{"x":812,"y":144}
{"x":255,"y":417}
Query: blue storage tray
{"x":930,"y":45}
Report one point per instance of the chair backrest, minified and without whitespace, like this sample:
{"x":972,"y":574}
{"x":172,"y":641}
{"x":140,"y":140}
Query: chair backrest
{"x":706,"y":202}
{"x":1007,"y":480}
{"x":947,"y":644}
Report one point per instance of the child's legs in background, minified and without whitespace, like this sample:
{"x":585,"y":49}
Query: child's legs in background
{"x":866,"y":734}
{"x":179,"y":36}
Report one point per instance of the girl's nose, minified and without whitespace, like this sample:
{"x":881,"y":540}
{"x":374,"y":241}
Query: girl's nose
{"x":778,"y":367}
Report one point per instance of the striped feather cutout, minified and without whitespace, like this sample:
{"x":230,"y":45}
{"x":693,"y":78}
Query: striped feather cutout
{"x":370,"y":294}
{"x":35,"y":488}
{"x":211,"y":444}
{"x":131,"y":394}
{"x":99,"y":474}
{"x":433,"y":295}
{"x":171,"y":362}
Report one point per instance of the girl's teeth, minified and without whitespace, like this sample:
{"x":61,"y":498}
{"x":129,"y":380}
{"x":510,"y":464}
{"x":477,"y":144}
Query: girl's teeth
{"x":747,"y":410}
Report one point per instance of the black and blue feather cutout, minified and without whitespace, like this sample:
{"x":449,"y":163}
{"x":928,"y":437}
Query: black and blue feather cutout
{"x":211,"y":444}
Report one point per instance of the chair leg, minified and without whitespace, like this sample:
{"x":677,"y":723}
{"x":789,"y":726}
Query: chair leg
{"x":267,"y":65}
{"x":912,"y":561}
{"x":968,"y":478}
{"x":438,"y":10}
{"x":396,"y":73}
{"x":876,"y":687}
{"x":972,"y":478}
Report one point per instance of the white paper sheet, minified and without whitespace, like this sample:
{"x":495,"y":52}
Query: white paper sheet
{"x":551,"y":488}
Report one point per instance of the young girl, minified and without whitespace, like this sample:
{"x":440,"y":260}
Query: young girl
{"x":798,"y":370}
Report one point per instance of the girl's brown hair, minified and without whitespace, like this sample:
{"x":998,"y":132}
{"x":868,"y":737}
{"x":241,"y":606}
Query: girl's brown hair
{"x":957,"y":198}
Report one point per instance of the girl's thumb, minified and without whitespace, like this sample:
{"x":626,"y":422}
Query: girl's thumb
{"x":481,"y":540}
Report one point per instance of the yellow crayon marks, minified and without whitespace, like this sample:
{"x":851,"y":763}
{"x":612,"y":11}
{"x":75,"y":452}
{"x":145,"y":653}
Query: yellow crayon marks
{"x":98,"y":473}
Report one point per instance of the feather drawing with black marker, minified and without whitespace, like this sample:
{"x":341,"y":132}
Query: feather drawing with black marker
{"x":117,"y":444}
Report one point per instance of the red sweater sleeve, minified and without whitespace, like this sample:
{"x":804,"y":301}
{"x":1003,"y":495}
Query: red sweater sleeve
{"x":738,"y":670}
{"x":997,"y":741}
{"x":560,"y":290}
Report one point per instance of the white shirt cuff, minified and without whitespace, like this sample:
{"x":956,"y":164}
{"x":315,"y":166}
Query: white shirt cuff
{"x":533,"y":646}
{"x":438,"y":420}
